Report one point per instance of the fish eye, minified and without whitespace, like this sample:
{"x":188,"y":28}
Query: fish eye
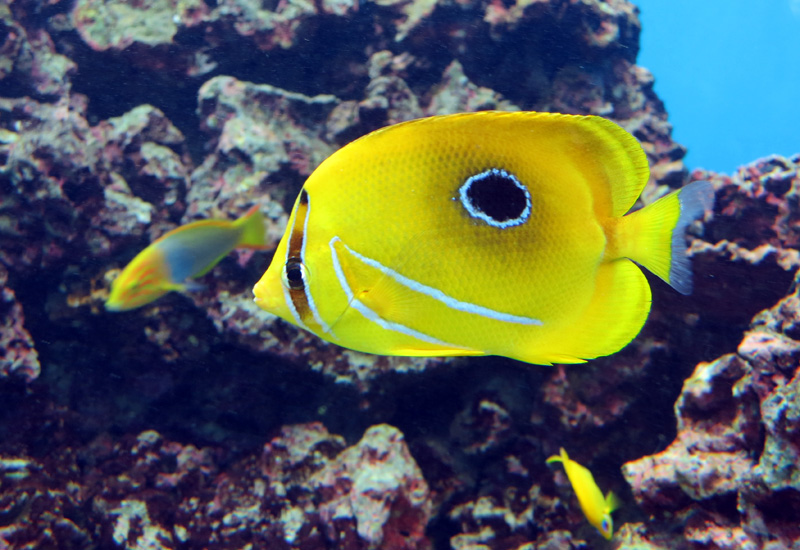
{"x":605,"y":526}
{"x":294,"y":274}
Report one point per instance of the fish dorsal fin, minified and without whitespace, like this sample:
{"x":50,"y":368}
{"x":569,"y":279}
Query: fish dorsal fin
{"x":601,"y":150}
{"x":615,"y":160}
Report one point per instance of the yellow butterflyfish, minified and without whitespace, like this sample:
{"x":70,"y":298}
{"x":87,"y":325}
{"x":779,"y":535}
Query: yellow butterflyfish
{"x":186,"y":252}
{"x":485,"y":233}
{"x":594,"y":505}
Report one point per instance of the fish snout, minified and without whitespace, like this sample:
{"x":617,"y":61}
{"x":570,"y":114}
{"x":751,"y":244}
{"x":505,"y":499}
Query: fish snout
{"x":268,"y":294}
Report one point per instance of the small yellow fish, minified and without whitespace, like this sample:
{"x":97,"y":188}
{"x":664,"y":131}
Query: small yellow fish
{"x":596,"y":508}
{"x":186,"y":252}
{"x":484,"y":233}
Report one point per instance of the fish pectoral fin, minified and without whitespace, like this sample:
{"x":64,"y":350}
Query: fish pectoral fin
{"x":381,"y":293}
{"x":391,"y":301}
{"x":562,"y":457}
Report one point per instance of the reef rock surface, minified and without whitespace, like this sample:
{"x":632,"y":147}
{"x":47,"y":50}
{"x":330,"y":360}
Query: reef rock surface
{"x":97,"y":143}
{"x":731,"y":477}
{"x":199,"y":421}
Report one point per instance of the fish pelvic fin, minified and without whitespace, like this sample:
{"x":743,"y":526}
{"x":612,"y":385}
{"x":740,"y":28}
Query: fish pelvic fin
{"x":252,"y":228}
{"x":654,"y":237}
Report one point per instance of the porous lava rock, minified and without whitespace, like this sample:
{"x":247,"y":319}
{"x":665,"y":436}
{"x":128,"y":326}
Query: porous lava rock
{"x":121,"y":119}
{"x":731,"y":477}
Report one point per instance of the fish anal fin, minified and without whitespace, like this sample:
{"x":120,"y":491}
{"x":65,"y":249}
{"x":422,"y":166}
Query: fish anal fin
{"x":551,"y":359}
{"x":615,"y":315}
{"x":440,"y":352}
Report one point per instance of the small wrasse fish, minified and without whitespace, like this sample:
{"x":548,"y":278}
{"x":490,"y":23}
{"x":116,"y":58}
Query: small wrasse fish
{"x":186,"y":252}
{"x":596,"y":508}
{"x":487,"y":233}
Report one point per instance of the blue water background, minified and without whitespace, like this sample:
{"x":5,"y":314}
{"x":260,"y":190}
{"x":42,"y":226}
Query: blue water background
{"x":729,"y":74}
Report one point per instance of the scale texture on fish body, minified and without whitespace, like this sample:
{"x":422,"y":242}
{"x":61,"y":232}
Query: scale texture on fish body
{"x":481,"y":234}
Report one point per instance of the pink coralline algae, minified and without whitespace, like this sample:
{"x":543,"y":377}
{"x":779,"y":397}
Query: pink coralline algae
{"x":731,"y":478}
{"x":306,"y":491}
{"x":256,"y":134}
{"x":377,"y":488}
{"x":29,"y":55}
{"x":18,"y":357}
{"x":105,"y":24}
{"x":79,"y":188}
{"x":121,"y":119}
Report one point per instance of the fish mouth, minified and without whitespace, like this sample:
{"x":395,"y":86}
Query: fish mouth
{"x":265,"y":299}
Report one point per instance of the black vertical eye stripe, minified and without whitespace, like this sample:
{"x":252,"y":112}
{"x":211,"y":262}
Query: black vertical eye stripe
{"x":294,"y":274}
{"x":293,"y":271}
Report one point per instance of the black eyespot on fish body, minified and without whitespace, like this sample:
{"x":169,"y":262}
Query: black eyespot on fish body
{"x":496,"y":197}
{"x":294,"y":274}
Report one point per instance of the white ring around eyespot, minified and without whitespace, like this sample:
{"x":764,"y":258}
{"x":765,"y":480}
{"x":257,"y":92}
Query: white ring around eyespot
{"x":480,"y":214}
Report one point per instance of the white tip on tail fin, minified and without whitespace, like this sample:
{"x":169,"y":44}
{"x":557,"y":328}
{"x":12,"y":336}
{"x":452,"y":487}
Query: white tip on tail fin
{"x":253,"y":230}
{"x":694,"y":199}
{"x":655,"y":236}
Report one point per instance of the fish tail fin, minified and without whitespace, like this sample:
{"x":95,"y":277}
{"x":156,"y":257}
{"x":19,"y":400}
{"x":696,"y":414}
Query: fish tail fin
{"x":252,"y":227}
{"x":563,"y":457}
{"x":653,"y":237}
{"x":612,"y":502}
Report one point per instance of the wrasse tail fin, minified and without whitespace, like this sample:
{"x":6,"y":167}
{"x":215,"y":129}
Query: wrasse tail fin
{"x":612,"y":502}
{"x":654,"y":237}
{"x":252,"y":226}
